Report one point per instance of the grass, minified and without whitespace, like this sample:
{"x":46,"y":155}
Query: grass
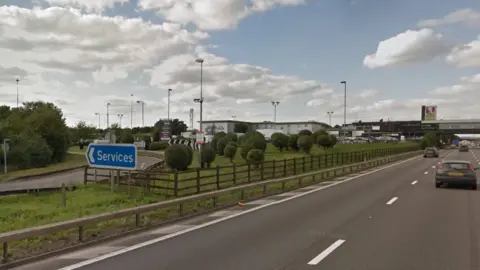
{"x":23,"y":211}
{"x":72,"y":161}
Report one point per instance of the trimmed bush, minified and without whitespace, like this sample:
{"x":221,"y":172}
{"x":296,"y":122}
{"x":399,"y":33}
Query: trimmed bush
{"x":208,"y":156}
{"x":190,"y":154}
{"x":230,"y":151}
{"x":247,"y":146}
{"x":305,"y":132}
{"x":232,"y":143}
{"x":280,"y":141}
{"x":148,"y":141}
{"x":177,"y":157}
{"x":215,"y":139}
{"x":29,"y":151}
{"x":292,"y":142}
{"x":318,"y":133}
{"x":221,"y":143}
{"x":158,"y":146}
{"x":333,"y":140}
{"x":324,"y":141}
{"x":255,"y":157}
{"x":305,"y":143}
{"x":231,"y":137}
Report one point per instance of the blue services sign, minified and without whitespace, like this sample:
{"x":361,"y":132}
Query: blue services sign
{"x":112,"y":156}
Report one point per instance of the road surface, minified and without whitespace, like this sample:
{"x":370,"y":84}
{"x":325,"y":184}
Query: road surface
{"x":392,"y":219}
{"x":73,"y":177}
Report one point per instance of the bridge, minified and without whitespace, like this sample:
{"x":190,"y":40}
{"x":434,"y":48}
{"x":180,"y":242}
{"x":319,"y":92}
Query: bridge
{"x":457,"y":126}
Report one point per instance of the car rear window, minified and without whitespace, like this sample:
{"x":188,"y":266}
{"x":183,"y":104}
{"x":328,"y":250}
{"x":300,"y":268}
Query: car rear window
{"x":456,"y":166}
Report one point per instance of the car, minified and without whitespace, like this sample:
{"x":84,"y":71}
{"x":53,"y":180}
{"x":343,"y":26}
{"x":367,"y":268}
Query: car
{"x":456,"y":172}
{"x":430,"y":152}
{"x":463,"y":148}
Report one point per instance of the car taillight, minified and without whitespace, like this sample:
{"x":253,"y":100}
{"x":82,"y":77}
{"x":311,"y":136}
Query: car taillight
{"x":441,"y":166}
{"x":470,"y":167}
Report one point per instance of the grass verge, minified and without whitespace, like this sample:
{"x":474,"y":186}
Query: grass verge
{"x":22,"y":211}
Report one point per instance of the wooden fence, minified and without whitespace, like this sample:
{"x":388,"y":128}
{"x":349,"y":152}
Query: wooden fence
{"x":197,"y":180}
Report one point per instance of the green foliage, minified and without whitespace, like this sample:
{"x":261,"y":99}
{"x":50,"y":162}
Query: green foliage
{"x":231,"y":137}
{"x":232,"y":143}
{"x":324,"y":141}
{"x":230,"y":151}
{"x":256,"y":138}
{"x":318,"y":133}
{"x":221,"y":143}
{"x":127,"y":137}
{"x":176,"y":128}
{"x":305,"y":132}
{"x":82,"y":131}
{"x":305,"y":143}
{"x":240,"y":128}
{"x":430,"y":139}
{"x":29,"y":150}
{"x":280,"y":140}
{"x":190,"y":154}
{"x":333,"y":140}
{"x":208,"y":156}
{"x":177,"y":157}
{"x":255,"y":157}
{"x":158,"y":146}
{"x":292,"y":142}
{"x":148,"y":141}
{"x":246,"y":147}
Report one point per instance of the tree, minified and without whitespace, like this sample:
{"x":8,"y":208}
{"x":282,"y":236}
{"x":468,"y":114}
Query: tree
{"x":279,"y":140}
{"x":333,"y":140}
{"x":232,"y":137}
{"x":221,"y":144}
{"x":82,"y":131}
{"x":305,"y":143}
{"x":305,"y":132}
{"x":208,"y":156}
{"x":255,"y":157}
{"x":176,"y":126}
{"x":292,"y":142}
{"x":324,"y":141}
{"x":177,"y":157}
{"x":318,"y":133}
{"x":230,"y":151}
{"x":240,"y":128}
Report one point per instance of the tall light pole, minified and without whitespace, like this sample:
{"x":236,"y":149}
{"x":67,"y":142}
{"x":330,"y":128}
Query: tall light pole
{"x":330,"y":118}
{"x":120,"y":116}
{"x":131,"y":112}
{"x":200,"y":100}
{"x":169,"y":90}
{"x":108,"y":115}
{"x":98,"y":114}
{"x":344,"y":106}
{"x":275,"y":104}
{"x":17,"y":80}
{"x":143,"y":111}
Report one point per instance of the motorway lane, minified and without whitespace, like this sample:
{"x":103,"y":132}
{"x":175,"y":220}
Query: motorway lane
{"x":283,"y":236}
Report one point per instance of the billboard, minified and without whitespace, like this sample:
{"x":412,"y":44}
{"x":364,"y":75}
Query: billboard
{"x":430,"y":113}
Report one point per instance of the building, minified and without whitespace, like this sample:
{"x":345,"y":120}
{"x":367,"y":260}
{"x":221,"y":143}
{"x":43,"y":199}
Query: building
{"x":211,"y":127}
{"x":410,"y":128}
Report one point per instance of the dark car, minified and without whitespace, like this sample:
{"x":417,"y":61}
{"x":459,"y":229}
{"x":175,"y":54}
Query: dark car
{"x":430,"y":152}
{"x":456,"y":172}
{"x":463,"y":148}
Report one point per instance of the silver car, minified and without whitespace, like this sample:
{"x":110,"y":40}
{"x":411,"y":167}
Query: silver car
{"x":456,"y":172}
{"x":430,"y":152}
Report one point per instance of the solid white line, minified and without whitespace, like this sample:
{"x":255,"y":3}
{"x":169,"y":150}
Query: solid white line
{"x":165,"y":237}
{"x":326,"y":252}
{"x":392,"y":200}
{"x":426,"y":172}
{"x":414,"y":182}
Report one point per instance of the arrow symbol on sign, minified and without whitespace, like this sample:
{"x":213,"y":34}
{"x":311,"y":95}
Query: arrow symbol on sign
{"x":90,"y":154}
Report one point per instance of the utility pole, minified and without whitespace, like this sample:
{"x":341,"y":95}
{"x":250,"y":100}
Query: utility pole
{"x":143,"y":111}
{"x":17,"y":80}
{"x":108,"y":115}
{"x":131,"y":112}
{"x":169,"y":90}
{"x":344,"y":107}
{"x":120,"y":115}
{"x":275,"y":104}
{"x":200,"y":100}
{"x":98,"y":114}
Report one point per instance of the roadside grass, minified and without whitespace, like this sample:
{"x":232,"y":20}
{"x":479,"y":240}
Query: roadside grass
{"x":77,"y":150}
{"x":72,"y":161}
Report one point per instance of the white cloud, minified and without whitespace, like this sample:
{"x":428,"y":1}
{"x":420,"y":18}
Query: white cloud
{"x":87,"y":5}
{"x":368,"y":93}
{"x":467,"y":16}
{"x":466,"y":56}
{"x":408,"y":47}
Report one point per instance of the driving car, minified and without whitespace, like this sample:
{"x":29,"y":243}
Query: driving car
{"x":463,"y":148}
{"x":430,"y":152}
{"x":456,"y":172}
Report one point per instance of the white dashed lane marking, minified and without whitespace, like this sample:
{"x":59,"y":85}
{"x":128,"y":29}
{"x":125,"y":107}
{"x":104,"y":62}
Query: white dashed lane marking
{"x":414,"y":182}
{"x":326,"y":252}
{"x":392,"y":200}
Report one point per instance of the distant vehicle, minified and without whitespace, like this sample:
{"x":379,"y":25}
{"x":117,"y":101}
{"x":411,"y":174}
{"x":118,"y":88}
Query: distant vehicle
{"x":456,"y":172}
{"x":463,"y":148}
{"x":430,"y":152}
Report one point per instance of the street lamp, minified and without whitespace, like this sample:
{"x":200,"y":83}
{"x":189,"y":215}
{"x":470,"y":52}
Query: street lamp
{"x":98,"y":114}
{"x":200,"y":100}
{"x":344,"y":106}
{"x":131,"y":112}
{"x":275,"y":104}
{"x":5,"y":150}
{"x":169,"y":90}
{"x":330,"y":118}
{"x":108,"y":115}
{"x":143,"y":114}
{"x":120,"y":115}
{"x":17,"y":80}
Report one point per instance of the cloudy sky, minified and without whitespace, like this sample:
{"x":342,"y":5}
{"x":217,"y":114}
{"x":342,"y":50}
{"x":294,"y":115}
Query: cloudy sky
{"x":394,"y":55}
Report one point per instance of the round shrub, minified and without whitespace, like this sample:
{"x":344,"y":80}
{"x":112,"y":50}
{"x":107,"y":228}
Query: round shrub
{"x":318,"y":133}
{"x":208,"y":155}
{"x":232,"y":137}
{"x":29,"y":151}
{"x":305,"y":132}
{"x":232,"y":143}
{"x":247,"y":146}
{"x":305,"y":143}
{"x":158,"y":146}
{"x":324,"y":141}
{"x":255,"y":157}
{"x":190,"y":154}
{"x":259,"y":142}
{"x":279,"y":140}
{"x":333,"y":140}
{"x":230,"y":151}
{"x":292,"y":142}
{"x":177,"y":157}
{"x":221,"y":143}
{"x":215,"y":139}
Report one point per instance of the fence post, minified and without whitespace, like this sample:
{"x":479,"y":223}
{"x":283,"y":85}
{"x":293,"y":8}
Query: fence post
{"x":303,"y":164}
{"x":85,"y":175}
{"x":294,"y":166}
{"x":198,"y":180}
{"x":262,"y":170}
{"x":337,"y":158}
{"x":5,"y":252}
{"x":274,"y":169}
{"x":284,"y":167}
{"x":234,"y":170}
{"x":218,"y":177}
{"x":175,"y":184}
{"x":311,"y":162}
{"x":249,"y":179}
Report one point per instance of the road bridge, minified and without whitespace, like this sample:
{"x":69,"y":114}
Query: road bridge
{"x":456,"y":126}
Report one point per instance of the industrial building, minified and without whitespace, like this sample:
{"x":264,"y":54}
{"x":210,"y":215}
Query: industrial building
{"x":212,"y":127}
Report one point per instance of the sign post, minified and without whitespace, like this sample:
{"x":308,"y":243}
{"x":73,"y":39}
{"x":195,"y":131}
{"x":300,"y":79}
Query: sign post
{"x":165,"y":132}
{"x":6,"y":148}
{"x":112,"y":156}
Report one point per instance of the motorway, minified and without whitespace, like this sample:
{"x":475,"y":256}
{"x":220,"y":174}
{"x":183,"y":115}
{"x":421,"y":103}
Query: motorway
{"x":391,"y":219}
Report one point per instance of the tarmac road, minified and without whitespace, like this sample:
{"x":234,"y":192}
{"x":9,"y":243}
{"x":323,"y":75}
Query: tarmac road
{"x":391,"y":219}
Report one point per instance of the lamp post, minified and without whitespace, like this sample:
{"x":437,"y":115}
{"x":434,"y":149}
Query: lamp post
{"x":131,"y":112}
{"x":275,"y":104}
{"x":200,"y":100}
{"x":143,"y":111}
{"x":98,"y":114}
{"x":5,"y":150}
{"x":108,"y":115}
{"x":168,"y":106}
{"x":344,"y":107}
{"x":330,"y":118}
{"x":120,"y":116}
{"x":17,"y":80}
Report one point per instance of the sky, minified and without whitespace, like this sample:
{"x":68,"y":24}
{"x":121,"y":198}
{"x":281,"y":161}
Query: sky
{"x":394,"y":55}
